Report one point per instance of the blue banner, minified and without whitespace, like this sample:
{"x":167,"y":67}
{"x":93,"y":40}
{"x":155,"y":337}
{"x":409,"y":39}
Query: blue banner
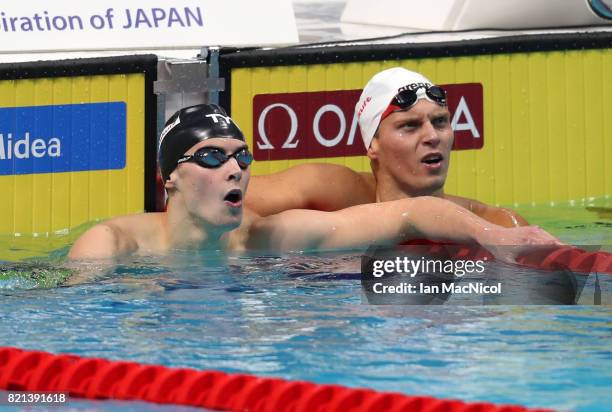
{"x":62,"y":138}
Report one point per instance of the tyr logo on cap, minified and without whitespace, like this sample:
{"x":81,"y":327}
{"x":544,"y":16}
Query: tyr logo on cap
{"x":215,"y":117}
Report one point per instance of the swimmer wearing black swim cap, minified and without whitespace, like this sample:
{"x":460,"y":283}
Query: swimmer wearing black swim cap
{"x":205,"y":163}
{"x":190,"y":126}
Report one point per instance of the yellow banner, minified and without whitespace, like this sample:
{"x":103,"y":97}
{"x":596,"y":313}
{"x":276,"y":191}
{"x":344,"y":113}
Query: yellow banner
{"x":547,"y":128}
{"x":94,"y":173}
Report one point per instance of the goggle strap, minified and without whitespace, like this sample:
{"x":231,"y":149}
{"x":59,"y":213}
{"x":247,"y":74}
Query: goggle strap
{"x":390,"y":109}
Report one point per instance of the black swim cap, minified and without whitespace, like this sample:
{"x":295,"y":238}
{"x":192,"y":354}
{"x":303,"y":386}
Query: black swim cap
{"x":190,"y":126}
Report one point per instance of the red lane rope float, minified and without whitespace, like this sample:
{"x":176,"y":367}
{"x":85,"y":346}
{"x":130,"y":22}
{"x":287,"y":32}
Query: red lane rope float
{"x":91,"y":378}
{"x":561,"y":258}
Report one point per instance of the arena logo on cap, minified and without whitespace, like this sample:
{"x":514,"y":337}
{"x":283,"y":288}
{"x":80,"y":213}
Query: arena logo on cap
{"x":62,"y":138}
{"x":414,"y":86}
{"x":323,"y":124}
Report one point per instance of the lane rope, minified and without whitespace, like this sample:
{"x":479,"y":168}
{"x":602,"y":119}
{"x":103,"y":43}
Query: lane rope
{"x":93,"y":378}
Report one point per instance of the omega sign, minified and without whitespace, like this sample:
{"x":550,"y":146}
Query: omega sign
{"x":323,"y":124}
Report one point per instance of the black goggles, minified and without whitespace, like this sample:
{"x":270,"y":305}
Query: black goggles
{"x":408,"y":97}
{"x":213,"y":157}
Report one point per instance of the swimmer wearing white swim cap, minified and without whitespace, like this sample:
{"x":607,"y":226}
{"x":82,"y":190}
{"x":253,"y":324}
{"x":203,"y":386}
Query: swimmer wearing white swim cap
{"x":405,"y":125}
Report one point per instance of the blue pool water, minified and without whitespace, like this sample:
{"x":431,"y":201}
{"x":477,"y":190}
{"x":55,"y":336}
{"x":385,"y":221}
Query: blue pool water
{"x":292,"y":317}
{"x":302,"y":317}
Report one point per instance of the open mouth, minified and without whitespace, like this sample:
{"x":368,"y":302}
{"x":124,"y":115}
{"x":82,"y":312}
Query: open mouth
{"x":432,"y":159}
{"x":233,"y":196}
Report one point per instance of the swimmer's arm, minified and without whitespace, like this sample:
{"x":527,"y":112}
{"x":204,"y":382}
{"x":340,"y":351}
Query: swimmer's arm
{"x":375,"y":223}
{"x":403,"y":220}
{"x":389,"y":223}
{"x":99,"y":242}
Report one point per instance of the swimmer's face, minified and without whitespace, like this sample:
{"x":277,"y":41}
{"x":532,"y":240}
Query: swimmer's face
{"x":214,"y":195}
{"x":412,"y":148}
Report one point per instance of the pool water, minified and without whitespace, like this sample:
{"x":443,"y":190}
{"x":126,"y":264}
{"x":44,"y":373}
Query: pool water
{"x":302,"y":317}
{"x":578,"y":223}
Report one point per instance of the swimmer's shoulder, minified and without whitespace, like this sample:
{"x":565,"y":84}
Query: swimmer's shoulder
{"x":238,"y":239}
{"x":500,"y":216}
{"x":102,"y":241}
{"x":118,"y":236}
{"x":335,"y":187}
{"x":279,"y":231}
{"x":318,"y":186}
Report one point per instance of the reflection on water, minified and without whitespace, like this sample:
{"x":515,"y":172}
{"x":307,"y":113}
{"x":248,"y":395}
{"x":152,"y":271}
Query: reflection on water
{"x":302,"y":317}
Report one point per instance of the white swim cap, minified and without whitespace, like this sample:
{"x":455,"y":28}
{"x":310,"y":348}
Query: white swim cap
{"x":378,"y":94}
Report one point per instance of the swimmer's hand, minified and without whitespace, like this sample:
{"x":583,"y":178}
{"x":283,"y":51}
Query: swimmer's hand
{"x":507,"y":244}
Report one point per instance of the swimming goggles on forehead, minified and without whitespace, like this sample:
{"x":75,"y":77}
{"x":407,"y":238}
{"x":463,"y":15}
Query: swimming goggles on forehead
{"x":213,"y":157}
{"x":408,"y":96}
